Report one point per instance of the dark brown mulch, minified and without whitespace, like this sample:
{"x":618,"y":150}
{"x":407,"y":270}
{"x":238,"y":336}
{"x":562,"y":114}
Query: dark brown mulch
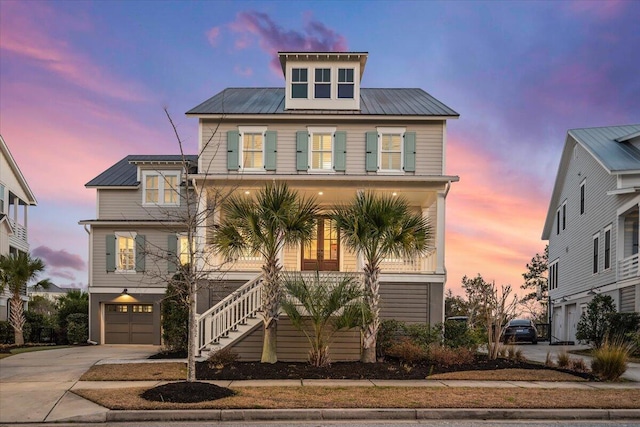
{"x":169,"y":355}
{"x":387,"y":370}
{"x":186,"y":392}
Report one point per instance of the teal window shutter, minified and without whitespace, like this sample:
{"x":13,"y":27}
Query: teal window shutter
{"x":271,"y":148}
{"x":302,"y":150}
{"x":233,"y":155}
{"x":140,"y":252}
{"x":340,"y":151}
{"x":410,"y":151}
{"x":111,"y":253}
{"x":371,"y":157}
{"x":172,"y":253}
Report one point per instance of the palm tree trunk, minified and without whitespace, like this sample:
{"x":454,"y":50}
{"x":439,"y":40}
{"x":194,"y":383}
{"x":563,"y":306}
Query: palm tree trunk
{"x":372,"y":299}
{"x":271,"y":308}
{"x":17,"y":319}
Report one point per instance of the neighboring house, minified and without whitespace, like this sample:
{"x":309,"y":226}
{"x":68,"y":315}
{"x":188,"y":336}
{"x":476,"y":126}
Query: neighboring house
{"x":326,"y":137}
{"x":52,"y":293}
{"x":15,"y":199}
{"x":592,"y":224}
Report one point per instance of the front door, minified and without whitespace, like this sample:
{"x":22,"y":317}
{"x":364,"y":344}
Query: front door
{"x":323,"y":252}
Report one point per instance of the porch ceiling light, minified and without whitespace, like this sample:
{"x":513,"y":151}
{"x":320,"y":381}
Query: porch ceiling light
{"x":394,"y":194}
{"x":320,"y":193}
{"x":124,"y":292}
{"x":247,"y":192}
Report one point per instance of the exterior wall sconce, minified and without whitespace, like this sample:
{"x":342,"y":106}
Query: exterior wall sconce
{"x":591,"y":292}
{"x":124,"y":292}
{"x":563,"y":299}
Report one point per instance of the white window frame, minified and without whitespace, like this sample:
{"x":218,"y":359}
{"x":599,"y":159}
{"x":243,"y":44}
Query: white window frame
{"x":161,"y":188}
{"x":607,"y":257}
{"x":346,"y":82}
{"x":595,"y":254}
{"x":183,"y":243}
{"x":125,"y":235}
{"x":323,"y":83}
{"x":583,"y":196}
{"x":252,"y":130}
{"x":564,"y":215}
{"x":323,"y":131}
{"x":391,"y":131}
{"x":306,"y":82}
{"x":553,"y":275}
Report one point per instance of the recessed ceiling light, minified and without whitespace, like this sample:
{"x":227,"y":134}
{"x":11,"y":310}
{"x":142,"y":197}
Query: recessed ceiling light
{"x":394,"y":194}
{"x":320,"y":193}
{"x":246,"y":192}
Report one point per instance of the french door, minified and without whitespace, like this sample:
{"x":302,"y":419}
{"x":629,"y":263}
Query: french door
{"x":323,"y":252}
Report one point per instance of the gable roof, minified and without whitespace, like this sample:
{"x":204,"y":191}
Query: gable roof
{"x":125,"y":172}
{"x":373,"y":102}
{"x":4,"y":149}
{"x":609,"y":146}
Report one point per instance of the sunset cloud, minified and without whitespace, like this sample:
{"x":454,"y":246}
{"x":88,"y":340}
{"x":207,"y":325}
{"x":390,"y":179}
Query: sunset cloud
{"x":59,"y":258}
{"x":272,"y":37}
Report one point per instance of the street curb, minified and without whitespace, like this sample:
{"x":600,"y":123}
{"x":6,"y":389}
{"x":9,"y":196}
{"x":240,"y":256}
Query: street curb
{"x":369,"y":414}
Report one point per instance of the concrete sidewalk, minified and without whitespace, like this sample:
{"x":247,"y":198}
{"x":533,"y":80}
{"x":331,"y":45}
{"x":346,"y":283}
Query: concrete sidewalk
{"x":37,"y":387}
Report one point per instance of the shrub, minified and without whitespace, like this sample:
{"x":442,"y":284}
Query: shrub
{"x":75,"y":301}
{"x":389,"y":332}
{"x":175,"y":316}
{"x":514,"y":353}
{"x":77,"y":328}
{"x":624,"y":326}
{"x":563,"y":359}
{"x":610,"y":360}
{"x":392,"y":332}
{"x":423,"y":334}
{"x":447,"y":356}
{"x":407,"y":351}
{"x":6,"y":332}
{"x":458,"y":334}
{"x":594,"y":323}
{"x":578,"y":365}
{"x":548,"y":361}
{"x":221,"y":358}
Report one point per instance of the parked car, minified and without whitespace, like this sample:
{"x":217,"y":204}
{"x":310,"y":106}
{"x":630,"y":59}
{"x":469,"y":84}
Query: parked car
{"x":520,"y":330}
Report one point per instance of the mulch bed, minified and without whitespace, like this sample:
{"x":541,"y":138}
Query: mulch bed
{"x":387,"y":370}
{"x":187,"y":392}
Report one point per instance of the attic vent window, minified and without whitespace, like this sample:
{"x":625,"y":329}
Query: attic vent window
{"x":323,"y":83}
{"x":299,"y":81}
{"x":345,"y":83}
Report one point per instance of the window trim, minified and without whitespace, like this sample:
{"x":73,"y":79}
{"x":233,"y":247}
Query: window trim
{"x":583,"y":196}
{"x":553,"y":274}
{"x":558,"y":222}
{"x":391,"y":131}
{"x":346,"y":82}
{"x":320,"y":130}
{"x":125,"y":235}
{"x":161,"y":188}
{"x":317,"y":83}
{"x":564,"y":215}
{"x":607,"y":252}
{"x":251,"y":130}
{"x":300,"y":82}
{"x":596,"y":253}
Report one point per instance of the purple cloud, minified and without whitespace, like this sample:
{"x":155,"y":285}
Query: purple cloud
{"x":60,"y":259}
{"x":273,"y":38}
{"x":61,"y":273}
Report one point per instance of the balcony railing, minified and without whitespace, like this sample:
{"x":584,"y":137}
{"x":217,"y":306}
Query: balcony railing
{"x":628,"y":267}
{"x":19,"y":231}
{"x":426,"y":264}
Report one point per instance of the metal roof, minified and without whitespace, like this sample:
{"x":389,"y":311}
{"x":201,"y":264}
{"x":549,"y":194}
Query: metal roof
{"x":373,"y":102}
{"x":125,"y":172}
{"x":603,"y":143}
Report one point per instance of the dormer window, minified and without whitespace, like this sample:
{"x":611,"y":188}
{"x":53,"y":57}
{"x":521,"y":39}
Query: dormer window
{"x":299,"y":82}
{"x":345,"y":83}
{"x":160,"y":188}
{"x":323,"y":83}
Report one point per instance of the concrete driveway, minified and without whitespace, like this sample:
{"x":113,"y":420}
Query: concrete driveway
{"x":538,"y":353}
{"x":33,"y":384}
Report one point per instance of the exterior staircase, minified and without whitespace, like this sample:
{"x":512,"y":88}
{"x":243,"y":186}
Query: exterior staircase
{"x":230,"y":319}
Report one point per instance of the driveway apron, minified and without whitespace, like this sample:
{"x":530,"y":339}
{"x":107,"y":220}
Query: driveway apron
{"x":32,"y":384}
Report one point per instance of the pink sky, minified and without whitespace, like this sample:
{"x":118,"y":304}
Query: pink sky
{"x":83,"y":85}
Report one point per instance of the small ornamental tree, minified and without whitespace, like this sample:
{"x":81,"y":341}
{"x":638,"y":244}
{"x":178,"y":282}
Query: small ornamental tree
{"x":594,"y":323}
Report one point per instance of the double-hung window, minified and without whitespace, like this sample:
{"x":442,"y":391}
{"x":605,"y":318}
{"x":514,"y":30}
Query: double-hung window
{"x":564,"y":215}
{"x":583,"y":185}
{"x":345,"y":83}
{"x":553,"y":275}
{"x":596,"y":252}
{"x":390,"y":152}
{"x":1,"y":199}
{"x":252,"y":151}
{"x":321,"y":153}
{"x":322,"y":83}
{"x":299,"y":83}
{"x":125,"y":252}
{"x":161,"y":188}
{"x":607,"y":247}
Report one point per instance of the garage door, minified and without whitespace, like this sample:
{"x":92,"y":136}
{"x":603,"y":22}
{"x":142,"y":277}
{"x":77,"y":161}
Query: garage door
{"x":128,"y":324}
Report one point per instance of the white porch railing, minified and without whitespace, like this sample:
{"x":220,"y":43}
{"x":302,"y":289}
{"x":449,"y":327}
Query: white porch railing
{"x":232,"y":311}
{"x":19,"y":236}
{"x":628,"y":267}
{"x":419,"y":264}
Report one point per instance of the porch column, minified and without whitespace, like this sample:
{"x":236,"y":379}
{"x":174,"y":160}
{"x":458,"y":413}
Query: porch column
{"x":440,"y":215}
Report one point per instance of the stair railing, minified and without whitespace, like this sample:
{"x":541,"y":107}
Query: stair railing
{"x":234,"y":310}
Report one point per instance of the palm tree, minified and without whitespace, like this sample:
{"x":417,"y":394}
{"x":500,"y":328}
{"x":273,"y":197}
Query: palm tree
{"x":16,"y":271}
{"x":377,"y":227}
{"x":278,"y":217}
{"x":320,"y":307}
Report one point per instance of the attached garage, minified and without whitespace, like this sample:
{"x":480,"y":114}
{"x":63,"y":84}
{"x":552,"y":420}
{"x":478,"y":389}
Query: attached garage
{"x":128,"y":323}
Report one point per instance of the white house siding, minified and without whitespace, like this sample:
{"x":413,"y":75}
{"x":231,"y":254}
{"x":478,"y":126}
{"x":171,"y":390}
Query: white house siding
{"x":573,"y":247}
{"x":429,"y":148}
{"x":121,"y":205}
